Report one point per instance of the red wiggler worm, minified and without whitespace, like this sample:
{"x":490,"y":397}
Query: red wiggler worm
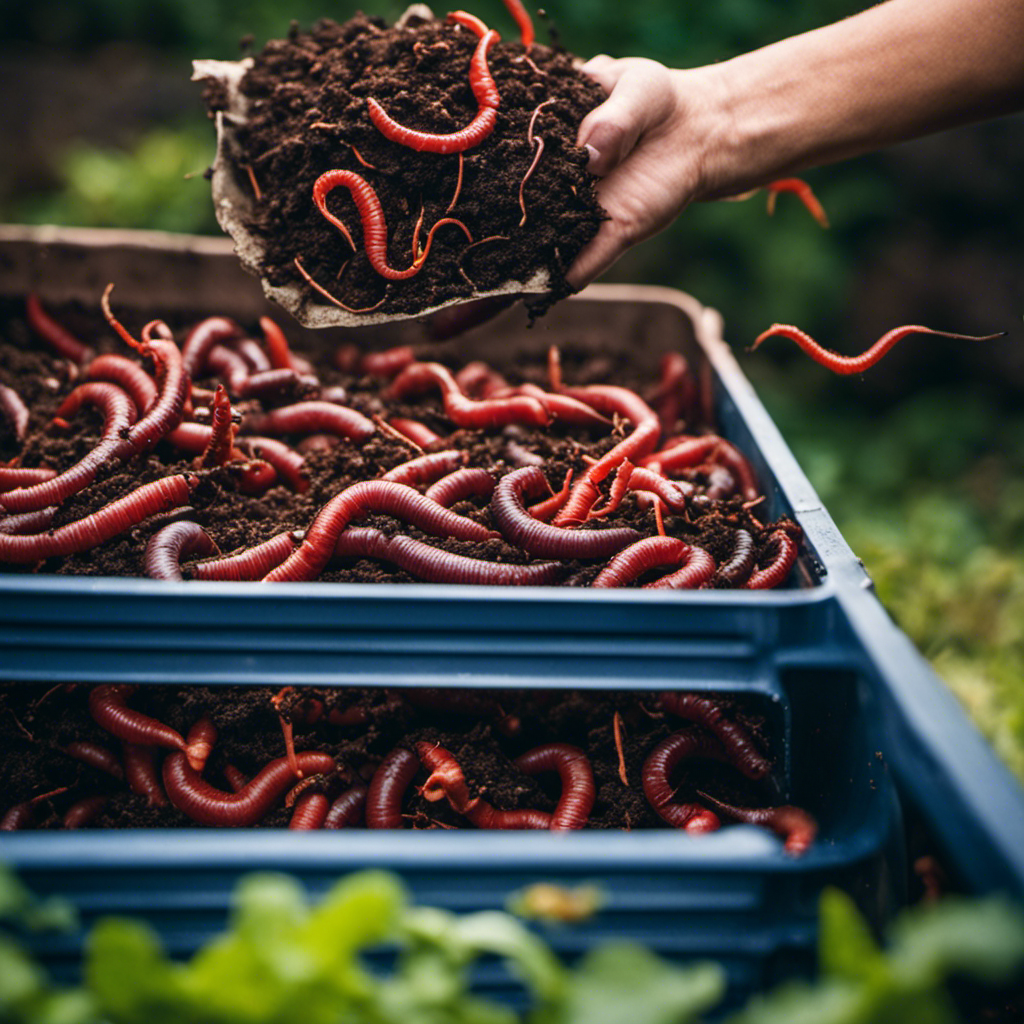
{"x":12,"y":477}
{"x":128,"y":376}
{"x":209,"y":806}
{"x":311,"y":418}
{"x":347,"y":809}
{"x":14,"y":410}
{"x":522,"y":20}
{"x":388,"y":363}
{"x":222,"y":432}
{"x":858,"y":364}
{"x":478,"y":379}
{"x":461,"y":410}
{"x":468,"y":482}
{"x":375,"y":229}
{"x":80,"y":814}
{"x":698,"y":567}
{"x":28,"y":522}
{"x":118,"y":415}
{"x":573,"y":767}
{"x":209,"y":332}
{"x":97,"y":527}
{"x":559,"y":406}
{"x":741,"y":562}
{"x":142,"y":773}
{"x":545,"y":509}
{"x":436,"y":566}
{"x":229,"y":366}
{"x":268,"y":385}
{"x":170,"y":545}
{"x":20,"y":815}
{"x":427,"y":468}
{"x":658,"y":789}
{"x":398,"y":500}
{"x":531,"y":140}
{"x":236,"y":779}
{"x":59,"y":339}
{"x":676,"y":394}
{"x":252,"y":564}
{"x":335,"y":394}
{"x":255,"y":476}
{"x":107,"y":705}
{"x":387,"y":788}
{"x":288,"y":463}
{"x":310,"y":812}
{"x":636,"y":559}
{"x":782,"y":550}
{"x":735,"y":739}
{"x":793,"y":824}
{"x":419,"y":433}
{"x":541,"y":539}
{"x":96,"y":756}
{"x":278,"y":349}
{"x":803,"y":191}
{"x":167,"y":411}
{"x":250,"y":351}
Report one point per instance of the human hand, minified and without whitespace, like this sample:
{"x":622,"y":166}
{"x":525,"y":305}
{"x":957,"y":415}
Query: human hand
{"x":648,"y":142}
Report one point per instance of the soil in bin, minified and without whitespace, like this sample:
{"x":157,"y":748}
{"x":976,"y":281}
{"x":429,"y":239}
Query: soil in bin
{"x":236,"y":520}
{"x":37,"y":722}
{"x":308,"y":114}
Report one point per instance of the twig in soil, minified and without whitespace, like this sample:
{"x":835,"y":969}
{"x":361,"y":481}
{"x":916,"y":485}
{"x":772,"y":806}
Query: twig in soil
{"x":462,"y":256}
{"x":391,"y":431}
{"x":256,"y":190}
{"x":617,"y":729}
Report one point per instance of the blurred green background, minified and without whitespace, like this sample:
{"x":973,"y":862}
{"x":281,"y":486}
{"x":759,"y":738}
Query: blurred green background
{"x":921,"y":461}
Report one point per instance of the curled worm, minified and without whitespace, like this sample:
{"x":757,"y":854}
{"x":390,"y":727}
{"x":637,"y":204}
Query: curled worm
{"x":782,"y":550}
{"x":573,"y":767}
{"x":168,"y":546}
{"x":347,"y":809}
{"x":387,"y":788}
{"x":658,"y":788}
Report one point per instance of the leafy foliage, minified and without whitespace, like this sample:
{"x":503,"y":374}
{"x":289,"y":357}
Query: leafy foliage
{"x":283,"y":960}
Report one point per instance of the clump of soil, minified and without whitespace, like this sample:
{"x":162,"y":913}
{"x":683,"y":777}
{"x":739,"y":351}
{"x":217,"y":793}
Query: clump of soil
{"x":38,"y":722}
{"x":307,"y":114}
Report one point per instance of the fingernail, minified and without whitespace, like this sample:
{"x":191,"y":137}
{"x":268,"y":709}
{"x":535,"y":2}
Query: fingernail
{"x":594,"y":158}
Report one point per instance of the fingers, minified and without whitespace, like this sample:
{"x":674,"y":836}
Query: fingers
{"x":641,"y":97}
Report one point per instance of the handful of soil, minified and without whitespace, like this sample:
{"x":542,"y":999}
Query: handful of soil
{"x":505,"y":214}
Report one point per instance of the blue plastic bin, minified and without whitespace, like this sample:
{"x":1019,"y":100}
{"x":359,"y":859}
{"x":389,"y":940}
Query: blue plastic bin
{"x":854,"y":692}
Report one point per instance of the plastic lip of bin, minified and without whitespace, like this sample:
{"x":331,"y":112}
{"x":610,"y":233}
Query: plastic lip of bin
{"x":93,"y":629}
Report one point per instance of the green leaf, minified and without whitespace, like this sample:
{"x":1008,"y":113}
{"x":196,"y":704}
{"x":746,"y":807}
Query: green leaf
{"x":846,"y":948}
{"x":20,"y":977}
{"x":626,"y":984}
{"x":828,"y":1002}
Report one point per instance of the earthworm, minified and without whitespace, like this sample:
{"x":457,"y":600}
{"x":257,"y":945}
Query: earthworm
{"x":437,"y":566}
{"x":461,"y":410}
{"x":371,"y":213}
{"x":200,"y":741}
{"x":686,"y":452}
{"x":542,"y":539}
{"x":519,"y":456}
{"x":107,"y":706}
{"x":676,"y":393}
{"x":354,"y":715}
{"x":12,"y":477}
{"x":803,"y":192}
{"x":347,"y":809}
{"x":426,"y":469}
{"x":793,"y":824}
{"x":616,"y":492}
{"x":396,"y":435}
{"x":168,"y":546}
{"x":674,"y":493}
{"x":28,"y":522}
{"x":310,"y":812}
{"x":858,"y":364}
{"x":127,"y":375}
{"x":118,"y":415}
{"x":20,"y":815}
{"x":96,"y":756}
{"x":190,"y":437}
{"x":562,"y":407}
{"x":735,"y":739}
{"x":97,"y":527}
{"x":236,"y":779}
{"x":335,"y":394}
{"x":609,"y":399}
{"x":469,"y":21}
{"x":280,"y":353}
{"x":316,"y":286}
{"x":697,"y":570}
{"x":419,"y":433}
{"x":447,"y":781}
{"x":741,"y":562}
{"x":251,"y":564}
{"x":387,"y":788}
{"x":485,"y":92}
{"x":59,"y":339}
{"x":209,"y":806}
{"x":468,"y":482}
{"x":267,"y":385}
{"x":222,"y":433}
{"x":311,"y":418}
{"x":477,"y":378}
{"x":226,"y":364}
{"x":288,"y":463}
{"x":140,"y":769}
{"x":255,"y":477}
{"x":720,"y":483}
{"x":544,"y":510}
{"x":782,"y":550}
{"x":80,"y":814}
{"x":250,"y":351}
{"x":166,"y":412}
{"x":209,"y":332}
{"x":658,"y":789}
{"x":531,"y":139}
{"x":737,"y":463}
{"x":14,"y":410}
{"x":617,"y":732}
{"x":523,"y":21}
{"x":639,"y":557}
{"x":398,"y":500}
{"x":578,"y":789}
{"x":388,"y":363}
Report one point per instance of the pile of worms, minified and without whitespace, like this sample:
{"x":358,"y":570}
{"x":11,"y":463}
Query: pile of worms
{"x":439,"y":474}
{"x":329,"y":760}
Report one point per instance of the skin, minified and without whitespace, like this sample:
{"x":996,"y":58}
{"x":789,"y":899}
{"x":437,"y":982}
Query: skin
{"x":666,"y":137}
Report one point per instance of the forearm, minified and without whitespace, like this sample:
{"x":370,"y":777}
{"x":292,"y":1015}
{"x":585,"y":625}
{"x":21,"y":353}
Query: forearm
{"x":829,"y":94}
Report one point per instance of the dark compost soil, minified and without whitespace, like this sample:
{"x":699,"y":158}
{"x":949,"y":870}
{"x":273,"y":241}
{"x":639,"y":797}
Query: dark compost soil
{"x":37,"y":722}
{"x":308,"y":115}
